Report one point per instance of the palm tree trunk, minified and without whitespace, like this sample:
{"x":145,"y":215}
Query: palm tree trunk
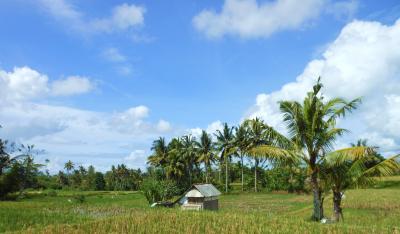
{"x":255,"y":174}
{"x":242,"y":174}
{"x":226,"y":174}
{"x":206,"y":168}
{"x":337,"y":209}
{"x":318,"y":211}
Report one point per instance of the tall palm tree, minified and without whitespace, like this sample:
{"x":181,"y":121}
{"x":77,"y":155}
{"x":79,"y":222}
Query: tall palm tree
{"x":160,"y":153}
{"x":347,"y":168}
{"x":176,"y":166}
{"x":257,"y":136}
{"x":312,"y":133}
{"x":242,"y":144}
{"x":189,"y":154}
{"x":205,"y":150}
{"x":69,"y":166}
{"x":225,"y":145}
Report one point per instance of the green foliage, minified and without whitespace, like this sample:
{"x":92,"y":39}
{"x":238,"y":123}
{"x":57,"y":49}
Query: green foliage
{"x":158,"y":190}
{"x":79,"y":198}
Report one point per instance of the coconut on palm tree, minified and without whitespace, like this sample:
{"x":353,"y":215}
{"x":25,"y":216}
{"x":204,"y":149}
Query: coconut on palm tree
{"x":312,"y":132}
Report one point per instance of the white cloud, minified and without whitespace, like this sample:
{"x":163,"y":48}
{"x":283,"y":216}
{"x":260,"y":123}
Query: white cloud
{"x":136,"y":158}
{"x":210,"y":129}
{"x":72,"y":85}
{"x":24,"y":83}
{"x":250,"y":19}
{"x":123,"y":17}
{"x":113,"y":55}
{"x":163,"y":126}
{"x":364,"y":61}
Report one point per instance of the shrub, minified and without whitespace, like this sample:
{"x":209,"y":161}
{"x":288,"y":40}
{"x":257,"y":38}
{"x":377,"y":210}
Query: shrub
{"x":79,"y":198}
{"x":158,"y":190}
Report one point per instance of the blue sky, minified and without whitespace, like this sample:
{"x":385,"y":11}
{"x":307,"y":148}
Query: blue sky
{"x":96,"y":81}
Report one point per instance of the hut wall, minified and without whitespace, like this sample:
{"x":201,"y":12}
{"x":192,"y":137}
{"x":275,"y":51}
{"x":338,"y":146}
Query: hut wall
{"x":211,"y":205}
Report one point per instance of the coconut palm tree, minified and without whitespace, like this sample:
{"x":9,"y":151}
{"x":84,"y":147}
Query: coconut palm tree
{"x":241,"y":143}
{"x":189,"y":154}
{"x":160,"y":153}
{"x":257,"y":136}
{"x":205,"y":150}
{"x":312,"y":132}
{"x":69,"y":166}
{"x":225,"y":145}
{"x":348,"y":168}
{"x":175,"y":167}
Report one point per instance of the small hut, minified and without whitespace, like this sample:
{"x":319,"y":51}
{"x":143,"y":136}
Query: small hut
{"x":199,"y":197}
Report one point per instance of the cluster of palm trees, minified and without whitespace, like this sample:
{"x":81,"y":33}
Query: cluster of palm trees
{"x":187,"y":155}
{"x":312,"y":132}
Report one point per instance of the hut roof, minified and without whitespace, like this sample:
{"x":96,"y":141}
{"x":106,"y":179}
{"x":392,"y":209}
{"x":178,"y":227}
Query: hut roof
{"x":207,"y":190}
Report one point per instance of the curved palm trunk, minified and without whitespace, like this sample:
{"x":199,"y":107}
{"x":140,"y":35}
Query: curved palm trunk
{"x":318,"y":211}
{"x":337,"y":209}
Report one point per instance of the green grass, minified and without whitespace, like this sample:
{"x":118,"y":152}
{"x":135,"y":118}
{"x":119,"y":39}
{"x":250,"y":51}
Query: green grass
{"x":375,"y":210}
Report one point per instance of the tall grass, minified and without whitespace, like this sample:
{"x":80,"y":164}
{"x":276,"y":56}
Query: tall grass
{"x":365,"y":211}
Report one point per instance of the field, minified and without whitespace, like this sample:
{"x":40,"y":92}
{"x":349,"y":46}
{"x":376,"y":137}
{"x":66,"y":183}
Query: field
{"x":373,"y":210}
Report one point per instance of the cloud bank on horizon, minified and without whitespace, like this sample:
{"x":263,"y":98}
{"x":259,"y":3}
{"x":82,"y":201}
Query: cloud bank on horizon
{"x":363,"y":61}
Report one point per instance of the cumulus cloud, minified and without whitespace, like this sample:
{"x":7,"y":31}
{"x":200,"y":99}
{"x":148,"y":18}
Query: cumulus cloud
{"x":103,"y":138}
{"x":72,"y":85}
{"x":123,"y":17}
{"x":210,"y":129}
{"x":363,"y":61}
{"x":136,"y":158}
{"x":24,"y":83}
{"x":251,"y":19}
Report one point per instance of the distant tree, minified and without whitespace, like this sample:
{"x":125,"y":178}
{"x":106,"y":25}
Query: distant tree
{"x":242,"y":144}
{"x":100,"y":183}
{"x":205,"y":150}
{"x":189,"y":153}
{"x":91,"y":178}
{"x":69,"y":166}
{"x":225,"y":146}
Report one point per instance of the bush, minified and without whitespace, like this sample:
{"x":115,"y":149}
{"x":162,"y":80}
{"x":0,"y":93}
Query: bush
{"x":79,"y":198}
{"x":158,"y":190}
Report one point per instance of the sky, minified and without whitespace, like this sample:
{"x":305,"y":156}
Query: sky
{"x":95,"y":82}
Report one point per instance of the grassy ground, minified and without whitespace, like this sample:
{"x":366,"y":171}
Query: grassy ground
{"x":375,"y":210}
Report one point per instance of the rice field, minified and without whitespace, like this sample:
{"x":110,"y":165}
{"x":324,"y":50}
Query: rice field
{"x":373,"y":210}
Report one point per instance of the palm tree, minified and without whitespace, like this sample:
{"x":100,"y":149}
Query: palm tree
{"x":350,"y":167}
{"x":242,"y":145}
{"x":69,"y":166}
{"x":257,"y":137}
{"x":225,"y":145}
{"x":160,"y":153}
{"x":175,"y":167}
{"x":205,"y":149}
{"x":189,"y":154}
{"x":312,"y":133}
